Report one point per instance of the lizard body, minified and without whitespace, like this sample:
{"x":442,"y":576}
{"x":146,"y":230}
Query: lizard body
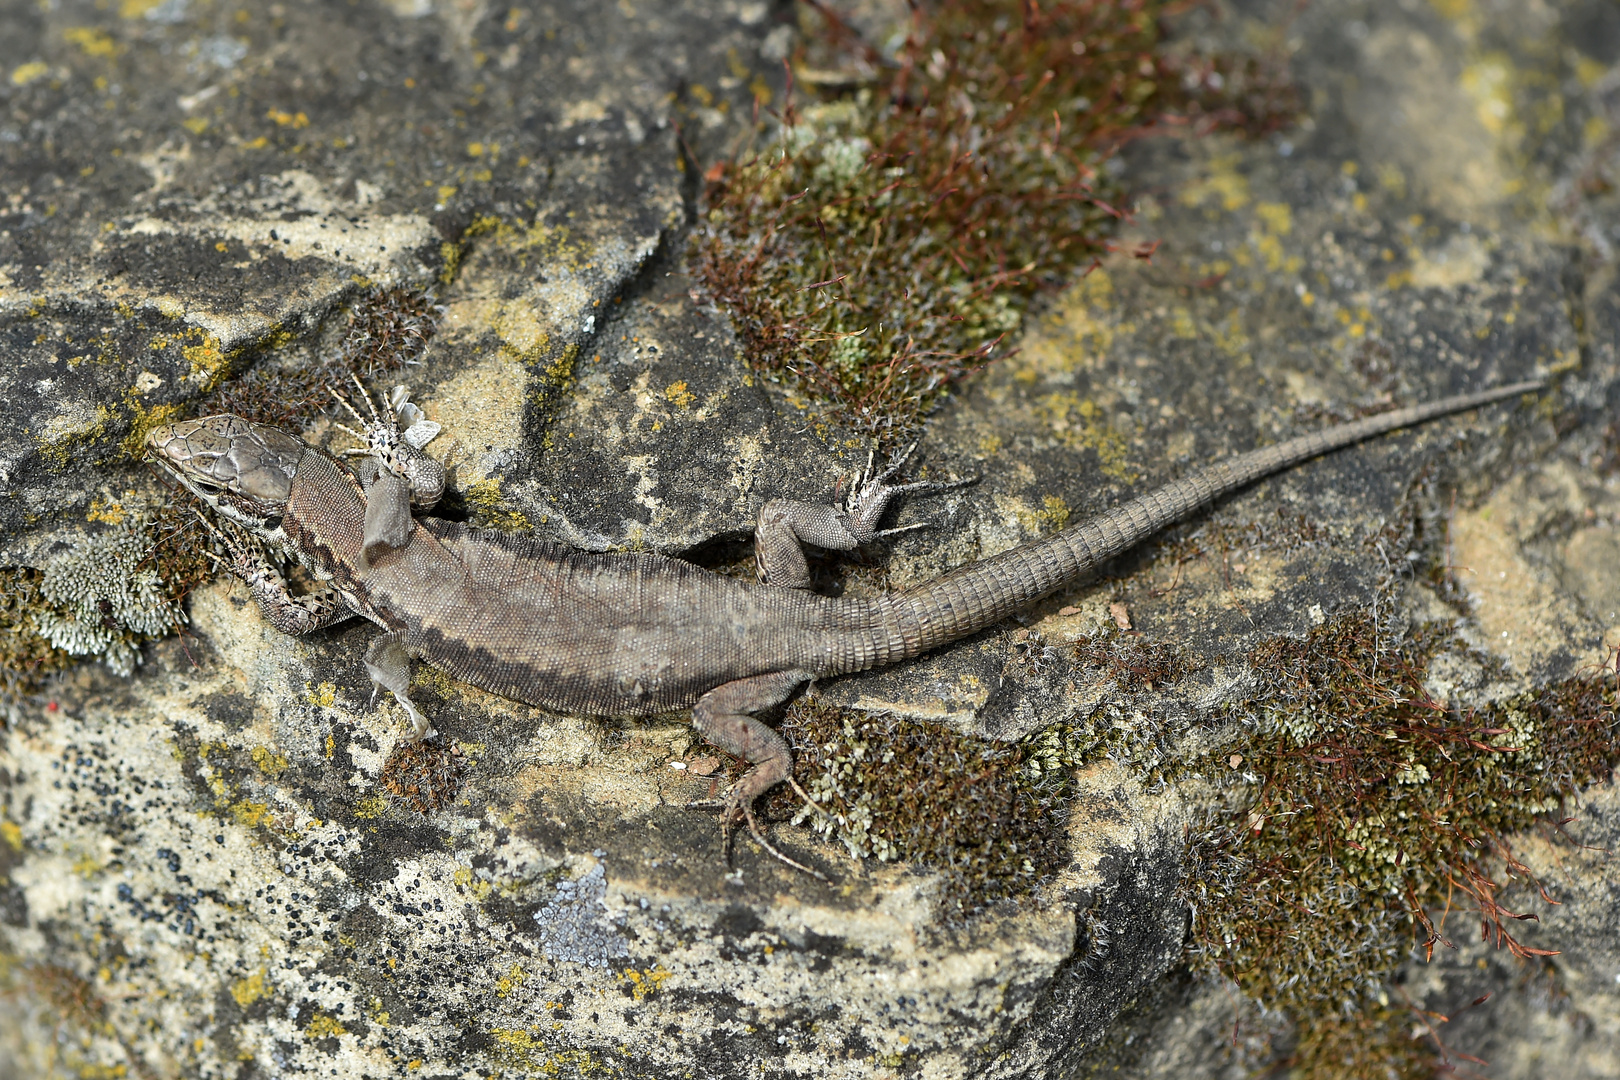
{"x":638,"y":634}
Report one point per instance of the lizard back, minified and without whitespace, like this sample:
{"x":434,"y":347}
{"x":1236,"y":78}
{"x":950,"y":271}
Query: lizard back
{"x":541,"y":623}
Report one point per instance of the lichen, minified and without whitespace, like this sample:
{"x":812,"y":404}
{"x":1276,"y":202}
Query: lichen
{"x":576,"y":925}
{"x":103,"y":598}
{"x":490,"y":509}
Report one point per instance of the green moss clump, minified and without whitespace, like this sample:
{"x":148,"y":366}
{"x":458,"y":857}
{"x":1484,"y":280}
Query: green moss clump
{"x":1362,"y":815}
{"x":26,"y":657}
{"x":883,"y":241}
{"x":895,"y":789}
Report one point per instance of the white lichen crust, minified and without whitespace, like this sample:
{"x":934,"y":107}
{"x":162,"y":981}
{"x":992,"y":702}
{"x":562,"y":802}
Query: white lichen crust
{"x":106,"y":598}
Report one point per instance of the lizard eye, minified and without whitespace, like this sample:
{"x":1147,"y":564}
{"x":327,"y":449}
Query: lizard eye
{"x":208,"y":487}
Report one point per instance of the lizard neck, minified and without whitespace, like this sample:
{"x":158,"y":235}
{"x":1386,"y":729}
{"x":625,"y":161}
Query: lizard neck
{"x":325,"y":521}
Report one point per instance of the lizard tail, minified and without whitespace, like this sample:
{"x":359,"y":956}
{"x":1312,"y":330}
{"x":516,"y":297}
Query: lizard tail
{"x":981,"y":594}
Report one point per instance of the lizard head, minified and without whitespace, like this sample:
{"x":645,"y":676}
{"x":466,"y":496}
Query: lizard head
{"x":242,"y":469}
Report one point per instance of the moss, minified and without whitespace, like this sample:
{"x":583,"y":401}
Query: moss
{"x":388,"y":328}
{"x":1378,"y":810}
{"x":26,"y":655}
{"x":895,"y":789}
{"x":876,"y":246}
{"x":423,"y":776}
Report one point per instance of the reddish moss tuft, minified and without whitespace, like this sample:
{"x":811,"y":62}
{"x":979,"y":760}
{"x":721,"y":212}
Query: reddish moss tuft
{"x":886,"y":239}
{"x":388,"y":328}
{"x":423,"y":776}
{"x":1364,"y":814}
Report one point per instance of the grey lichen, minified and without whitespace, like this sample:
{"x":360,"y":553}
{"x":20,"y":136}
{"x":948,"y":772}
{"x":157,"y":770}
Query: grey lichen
{"x":103,"y":598}
{"x":576,"y":925}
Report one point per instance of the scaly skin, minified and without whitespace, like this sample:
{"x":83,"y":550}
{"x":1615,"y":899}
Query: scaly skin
{"x":634,"y":634}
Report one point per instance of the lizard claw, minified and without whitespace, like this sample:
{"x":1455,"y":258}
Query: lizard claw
{"x":733,"y":812}
{"x":871,"y":493}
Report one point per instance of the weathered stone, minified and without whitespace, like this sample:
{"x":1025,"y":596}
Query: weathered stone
{"x":206,"y":869}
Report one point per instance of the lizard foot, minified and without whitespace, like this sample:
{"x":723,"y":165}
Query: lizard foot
{"x":389,"y":665}
{"x":850,"y":521}
{"x":871,"y":494}
{"x":245,"y":563}
{"x":394,"y":437}
{"x":721,"y":716}
{"x":735,"y":809}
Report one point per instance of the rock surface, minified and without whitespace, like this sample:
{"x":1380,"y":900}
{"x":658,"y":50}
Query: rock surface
{"x":204,"y":870}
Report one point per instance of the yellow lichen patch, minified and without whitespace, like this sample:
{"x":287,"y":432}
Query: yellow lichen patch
{"x":208,"y":362}
{"x":324,"y":1026}
{"x":525,"y":1048}
{"x":1053,"y":515}
{"x":1277,"y":218}
{"x":679,"y":396}
{"x":510,"y":981}
{"x":143,"y":421}
{"x":269,"y":762}
{"x":323,"y":695}
{"x":1489,"y":81}
{"x":451,"y":254}
{"x":1270,"y":249}
{"x":1079,"y":423}
{"x":92,"y":42}
{"x":72,"y":427}
{"x":134,"y":9}
{"x":11,"y":833}
{"x":250,"y":814}
{"x":518,"y":326}
{"x":24,"y":74}
{"x":1080,"y":329}
{"x":109,"y":511}
{"x":1222,"y":184}
{"x":479,"y":888}
{"x":644,"y":984}
{"x":490,"y":509}
{"x":371,"y":806}
{"x":287,"y":119}
{"x":556,"y":374}
{"x":247,"y":991}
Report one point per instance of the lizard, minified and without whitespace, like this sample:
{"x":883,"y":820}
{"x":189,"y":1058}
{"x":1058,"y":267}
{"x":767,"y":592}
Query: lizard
{"x":636,"y":634}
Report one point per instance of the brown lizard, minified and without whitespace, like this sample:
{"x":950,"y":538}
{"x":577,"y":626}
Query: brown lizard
{"x":620,"y":634}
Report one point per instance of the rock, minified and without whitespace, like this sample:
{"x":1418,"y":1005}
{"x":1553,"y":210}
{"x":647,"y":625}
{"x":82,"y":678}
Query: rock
{"x":229,"y":863}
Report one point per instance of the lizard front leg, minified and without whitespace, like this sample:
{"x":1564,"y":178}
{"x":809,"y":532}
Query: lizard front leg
{"x":286,"y":612}
{"x":722,"y":717}
{"x":785,"y":524}
{"x":397,"y":474}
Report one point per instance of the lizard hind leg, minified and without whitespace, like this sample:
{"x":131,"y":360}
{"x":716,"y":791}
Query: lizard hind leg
{"x":786,"y":523}
{"x":388,"y":663}
{"x":721,"y":716}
